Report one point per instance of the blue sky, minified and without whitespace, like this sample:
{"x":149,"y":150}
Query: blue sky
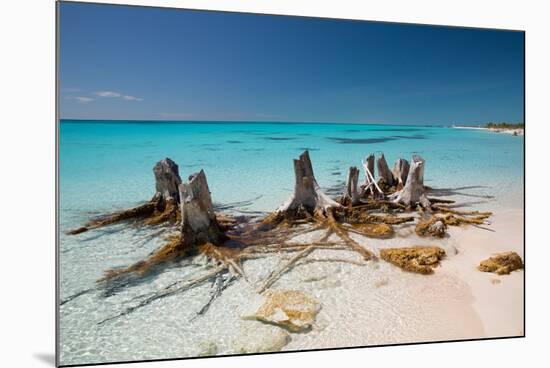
{"x":135,"y":63}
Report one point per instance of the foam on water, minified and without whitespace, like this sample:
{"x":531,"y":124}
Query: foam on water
{"x":108,"y":166}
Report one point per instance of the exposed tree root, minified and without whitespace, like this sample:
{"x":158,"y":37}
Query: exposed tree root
{"x":219,"y":285}
{"x":444,"y":209}
{"x":76,"y":295}
{"x":380,"y":231}
{"x":330,"y":260}
{"x":440,"y":200}
{"x":361,"y":216}
{"x":252,"y":253}
{"x":229,"y":257}
{"x":437,"y":224}
{"x":169,"y":290}
{"x":343,"y":234}
{"x":170,"y":251}
{"x":141,"y":211}
{"x":284,"y":268}
{"x":170,"y":213}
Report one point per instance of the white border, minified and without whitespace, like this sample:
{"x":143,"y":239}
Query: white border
{"x":27,"y":146}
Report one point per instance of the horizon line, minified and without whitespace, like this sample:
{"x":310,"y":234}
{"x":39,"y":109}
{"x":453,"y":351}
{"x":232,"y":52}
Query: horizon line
{"x":273,"y":122}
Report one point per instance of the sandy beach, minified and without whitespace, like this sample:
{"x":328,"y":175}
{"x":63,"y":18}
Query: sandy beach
{"x":518,"y":132}
{"x":380,"y":304}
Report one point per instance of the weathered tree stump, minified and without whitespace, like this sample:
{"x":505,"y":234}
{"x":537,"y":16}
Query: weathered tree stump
{"x":351,"y":196}
{"x":413,"y":192}
{"x":385,"y":176}
{"x":417,"y":158}
{"x":199,"y":227}
{"x":368,"y":164}
{"x":166,"y":198}
{"x":308,"y":198}
{"x":198,"y":219}
{"x":400,"y":172}
{"x":167,"y":179}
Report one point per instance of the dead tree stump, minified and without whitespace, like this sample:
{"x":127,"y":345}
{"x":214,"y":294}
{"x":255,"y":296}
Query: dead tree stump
{"x":351,"y":194}
{"x":199,"y":227}
{"x":368,"y":164}
{"x":400,"y":172}
{"x":198,"y":219}
{"x":308,"y":198}
{"x":384,"y":174}
{"x":417,"y":158}
{"x":167,"y":179}
{"x":413,"y":192}
{"x":166,"y":198}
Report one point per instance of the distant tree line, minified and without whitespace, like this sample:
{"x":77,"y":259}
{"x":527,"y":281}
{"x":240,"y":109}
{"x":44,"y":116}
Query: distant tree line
{"x":505,"y":126}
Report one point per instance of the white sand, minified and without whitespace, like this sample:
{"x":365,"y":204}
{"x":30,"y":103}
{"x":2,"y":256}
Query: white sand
{"x":518,"y":132}
{"x":499,"y":305}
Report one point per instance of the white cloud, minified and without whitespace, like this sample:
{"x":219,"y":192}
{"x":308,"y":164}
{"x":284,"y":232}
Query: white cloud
{"x":117,"y":95}
{"x":131,"y":98}
{"x":108,"y":94}
{"x":83,"y":99}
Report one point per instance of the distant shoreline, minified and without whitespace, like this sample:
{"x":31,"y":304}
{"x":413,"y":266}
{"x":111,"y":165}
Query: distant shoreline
{"x":123,"y":121}
{"x":511,"y":131}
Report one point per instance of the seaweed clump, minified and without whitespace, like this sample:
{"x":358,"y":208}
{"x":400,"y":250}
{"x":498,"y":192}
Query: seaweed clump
{"x":501,"y":263}
{"x":414,"y":259}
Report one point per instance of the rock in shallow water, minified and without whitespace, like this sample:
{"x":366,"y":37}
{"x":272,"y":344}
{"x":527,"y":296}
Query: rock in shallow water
{"x":414,"y":259}
{"x":258,"y":337}
{"x":375,"y":230}
{"x":291,"y":309}
{"x":502,"y":263}
{"x":432,"y":227}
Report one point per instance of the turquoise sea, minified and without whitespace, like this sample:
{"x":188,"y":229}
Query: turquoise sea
{"x":107,"y":165}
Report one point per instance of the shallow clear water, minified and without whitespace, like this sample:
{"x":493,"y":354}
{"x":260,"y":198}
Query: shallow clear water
{"x":106,"y":166}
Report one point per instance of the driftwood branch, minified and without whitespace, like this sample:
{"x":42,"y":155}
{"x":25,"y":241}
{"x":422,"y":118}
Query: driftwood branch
{"x":370,"y":182}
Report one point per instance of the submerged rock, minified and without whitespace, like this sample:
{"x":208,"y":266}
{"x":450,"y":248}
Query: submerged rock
{"x":291,"y":309}
{"x":502,"y":263}
{"x":432,"y":227}
{"x":414,"y":259}
{"x":258,"y":337}
{"x":375,"y":230}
